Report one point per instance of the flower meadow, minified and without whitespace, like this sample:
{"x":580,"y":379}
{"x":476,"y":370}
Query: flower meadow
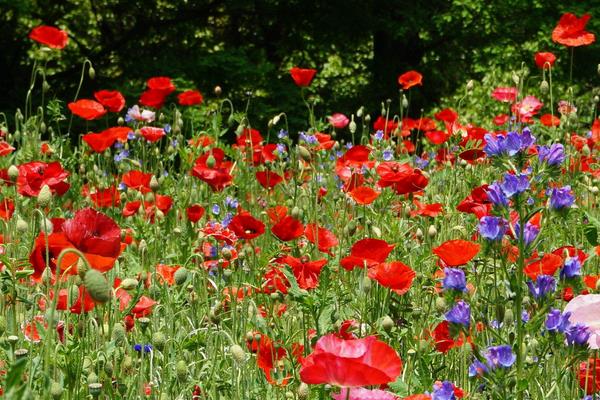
{"x":163,"y":247}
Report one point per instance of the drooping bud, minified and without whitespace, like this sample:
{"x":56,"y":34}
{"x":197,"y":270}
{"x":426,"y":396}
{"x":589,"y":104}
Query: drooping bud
{"x":92,"y":73}
{"x":238,"y":354}
{"x":387,"y":323}
{"x":217,"y":90}
{"x":13,"y":173}
{"x":97,"y":286}
{"x":180,"y":276}
{"x":544,"y":87}
{"x":432,"y":231}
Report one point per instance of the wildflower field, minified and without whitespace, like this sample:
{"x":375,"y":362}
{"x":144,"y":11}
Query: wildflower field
{"x":164,"y":246}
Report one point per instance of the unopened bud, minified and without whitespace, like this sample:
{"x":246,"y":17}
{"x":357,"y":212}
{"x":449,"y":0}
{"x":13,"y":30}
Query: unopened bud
{"x":97,"y":286}
{"x":154,"y":185}
{"x":404,"y":102}
{"x":44,"y":197}
{"x":304,"y":153}
{"x":129,"y":283}
{"x":217,"y":90}
{"x":544,"y":87}
{"x":92,"y":73}
{"x":432,"y":231}
{"x":13,"y":173}
{"x":238,"y":354}
{"x":180,"y":276}
{"x":440,"y":304}
{"x":470,"y":85}
{"x":210,"y":161}
{"x":387,"y":323}
{"x":22,"y":225}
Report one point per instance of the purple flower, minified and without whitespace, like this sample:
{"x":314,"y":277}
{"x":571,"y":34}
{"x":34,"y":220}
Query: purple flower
{"x":514,"y":184}
{"x":577,"y":334}
{"x":421,"y":163}
{"x":460,"y":314}
{"x":454,"y":279}
{"x":282,"y":134}
{"x":123,"y":154}
{"x":557,"y":322}
{"x":215,"y":209}
{"x":509,"y":144}
{"x":561,"y":198}
{"x":443,"y":391}
{"x":388,"y":155}
{"x":571,"y":269}
{"x":496,"y":195}
{"x":500,"y":356}
{"x":378,"y":135}
{"x":553,"y":155}
{"x":494,"y":145}
{"x":543,"y":285}
{"x":492,"y":228}
{"x":530,"y":234}
{"x":477,"y":368}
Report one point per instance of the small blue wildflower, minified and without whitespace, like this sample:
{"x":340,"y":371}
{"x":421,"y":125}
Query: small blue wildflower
{"x":556,"y":321}
{"x":571,"y":268}
{"x":492,"y":228}
{"x":454,"y":279}
{"x":543,"y":285}
{"x":378,"y":135}
{"x":443,"y":391}
{"x":577,"y":334}
{"x":477,"y":368}
{"x":459,"y":314}
{"x":215,"y":209}
{"x":500,"y":356}
{"x":561,"y":198}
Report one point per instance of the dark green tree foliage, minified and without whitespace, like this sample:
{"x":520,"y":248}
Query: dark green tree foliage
{"x":358,"y":46}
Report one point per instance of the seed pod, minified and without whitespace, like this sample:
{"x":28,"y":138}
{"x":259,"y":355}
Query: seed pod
{"x":119,"y":333}
{"x":509,"y":317}
{"x":22,"y":225}
{"x":97,"y":286}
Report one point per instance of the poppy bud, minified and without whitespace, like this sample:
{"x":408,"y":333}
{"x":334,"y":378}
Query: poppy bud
{"x":419,"y":234}
{"x":226,"y":253}
{"x":180,"y":276}
{"x":92,"y":378}
{"x":45,"y":86}
{"x":376,"y":231}
{"x":56,"y":390}
{"x":404,"y":101}
{"x":304,"y":153}
{"x":387,"y":323}
{"x":154,"y":185}
{"x":432,"y":231}
{"x":46,"y":226}
{"x":97,"y":286}
{"x":159,"y":340}
{"x":593,"y":189}
{"x":22,"y":225}
{"x":368,"y":118}
{"x":509,"y":317}
{"x":544,"y":87}
{"x":596,"y":99}
{"x":120,"y":121}
{"x":129,"y":283}
{"x":44,"y":197}
{"x":109,"y":368}
{"x":144,"y":323}
{"x":143,"y":246}
{"x":440,"y":304}
{"x":366,"y":284}
{"x":13,"y":173}
{"x":181,"y":370}
{"x":217,"y":90}
{"x":118,"y":333}
{"x":42,"y":127}
{"x":303,"y":391}
{"x":127,"y":364}
{"x":515,"y":78}
{"x":238,"y":354}
{"x":92,"y":73}
{"x":470,"y":85}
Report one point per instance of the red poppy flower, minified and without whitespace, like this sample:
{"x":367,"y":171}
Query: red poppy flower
{"x":153,"y":98}
{"x":137,"y":180}
{"x":501,"y":119}
{"x":195,"y":212}
{"x":367,"y":253}
{"x":87,"y":109}
{"x":550,"y":120}
{"x":167,"y":272}
{"x":268,"y":179}
{"x":456,"y":252}
{"x":570,"y":251}
{"x":190,"y":98}
{"x":472,"y":155}
{"x":306,"y":272}
{"x":417,"y":397}
{"x":442,"y":339}
{"x":109,"y":197}
{"x":130,"y":208}
{"x":302,"y":76}
{"x":363,"y":195}
{"x":447,"y":115}
{"x":152,"y":134}
{"x":348,"y":363}
{"x":49,"y":36}
{"x":245,"y":226}
{"x":570,"y":31}
{"x":267,"y":354}
{"x":99,"y":142}
{"x":113,"y":100}
{"x":410,"y":79}
{"x":141,"y":309}
{"x":437,"y":137}
{"x":323,"y":238}
{"x":589,"y":375}
{"x":505,"y":94}
{"x":476,"y":203}
{"x":217,"y":175}
{"x":547,"y":265}
{"x":93,"y":232}
{"x":287,"y":228}
{"x":34,"y":175}
{"x":5,"y":148}
{"x":274,"y":280}
{"x":544,"y":59}
{"x":427,"y":210}
{"x":161,"y":84}
{"x":7,"y":208}
{"x":83,"y":303}
{"x":393,"y":275}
